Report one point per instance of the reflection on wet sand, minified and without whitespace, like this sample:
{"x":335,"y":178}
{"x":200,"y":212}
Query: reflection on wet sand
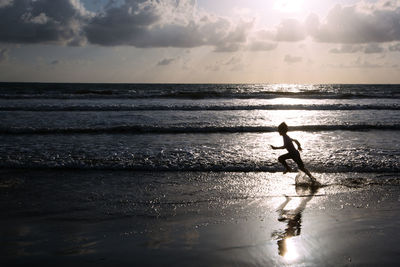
{"x":292,"y":216}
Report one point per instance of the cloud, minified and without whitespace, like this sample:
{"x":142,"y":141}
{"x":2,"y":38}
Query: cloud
{"x":365,"y":64}
{"x":138,"y":23}
{"x":261,"y":40}
{"x":347,"y":49}
{"x":261,"y":46}
{"x":165,"y":61}
{"x":290,"y":30}
{"x":354,"y":24}
{"x":232,"y":64}
{"x":4,"y":54}
{"x":166,"y":23}
{"x":363,"y":23}
{"x":182,"y":24}
{"x":358,"y":63}
{"x":121,"y":25}
{"x":42,"y":21}
{"x":233,"y":61}
{"x":371,"y":48}
{"x":4,"y":3}
{"x":292,"y":59}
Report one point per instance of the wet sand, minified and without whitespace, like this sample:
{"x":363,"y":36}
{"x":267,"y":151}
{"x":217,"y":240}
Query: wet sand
{"x":355,"y":223}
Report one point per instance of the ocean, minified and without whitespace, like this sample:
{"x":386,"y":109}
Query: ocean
{"x":198,"y":127}
{"x":92,"y":153}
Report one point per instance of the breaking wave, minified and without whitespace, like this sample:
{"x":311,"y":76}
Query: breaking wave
{"x":199,"y":108}
{"x":146,"y":129}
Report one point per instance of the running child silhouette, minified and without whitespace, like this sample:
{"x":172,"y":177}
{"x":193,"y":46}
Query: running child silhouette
{"x":293,"y":152}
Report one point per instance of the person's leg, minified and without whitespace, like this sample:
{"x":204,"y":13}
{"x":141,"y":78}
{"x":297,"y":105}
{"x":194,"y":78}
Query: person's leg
{"x":300,"y":163}
{"x":313,"y":180}
{"x":282,"y":159}
{"x":307,"y":172}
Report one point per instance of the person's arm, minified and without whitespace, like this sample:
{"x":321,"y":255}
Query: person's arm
{"x":277,"y":147}
{"x":298,"y":144}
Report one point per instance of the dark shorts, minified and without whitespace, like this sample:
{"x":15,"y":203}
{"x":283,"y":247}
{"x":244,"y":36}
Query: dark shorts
{"x":294,"y":156}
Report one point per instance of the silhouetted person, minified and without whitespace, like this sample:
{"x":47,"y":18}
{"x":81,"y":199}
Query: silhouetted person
{"x":293,"y":152}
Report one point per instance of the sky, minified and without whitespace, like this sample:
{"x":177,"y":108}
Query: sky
{"x":203,"y":41}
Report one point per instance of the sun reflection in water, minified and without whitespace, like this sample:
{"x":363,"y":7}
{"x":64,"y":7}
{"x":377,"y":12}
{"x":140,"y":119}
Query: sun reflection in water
{"x":290,"y":251}
{"x":290,"y":213}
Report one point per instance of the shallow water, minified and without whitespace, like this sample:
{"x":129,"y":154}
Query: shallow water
{"x":103,"y":195}
{"x":339,"y":151}
{"x":197,"y":218}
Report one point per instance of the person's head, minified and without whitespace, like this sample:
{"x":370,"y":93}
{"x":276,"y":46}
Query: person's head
{"x":282,"y":128}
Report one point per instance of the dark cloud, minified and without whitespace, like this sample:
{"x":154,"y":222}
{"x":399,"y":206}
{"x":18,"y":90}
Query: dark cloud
{"x":42,"y":21}
{"x":121,"y":25}
{"x":4,"y":3}
{"x":139,"y":23}
{"x":165,"y":24}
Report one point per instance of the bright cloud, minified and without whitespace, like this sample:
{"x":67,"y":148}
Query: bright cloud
{"x":352,"y":24}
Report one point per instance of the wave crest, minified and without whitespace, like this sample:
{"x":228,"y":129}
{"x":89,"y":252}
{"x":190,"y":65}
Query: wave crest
{"x":139,"y":129}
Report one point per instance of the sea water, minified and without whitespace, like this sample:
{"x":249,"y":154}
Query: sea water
{"x":196,"y":127}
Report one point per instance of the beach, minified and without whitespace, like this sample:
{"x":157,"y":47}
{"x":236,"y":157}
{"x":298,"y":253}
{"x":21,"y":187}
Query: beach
{"x":199,"y":133}
{"x":86,"y":218}
{"x":184,"y":175}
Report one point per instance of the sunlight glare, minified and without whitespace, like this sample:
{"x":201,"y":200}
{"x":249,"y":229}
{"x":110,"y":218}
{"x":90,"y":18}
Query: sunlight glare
{"x":289,"y":6}
{"x":291,"y":251}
